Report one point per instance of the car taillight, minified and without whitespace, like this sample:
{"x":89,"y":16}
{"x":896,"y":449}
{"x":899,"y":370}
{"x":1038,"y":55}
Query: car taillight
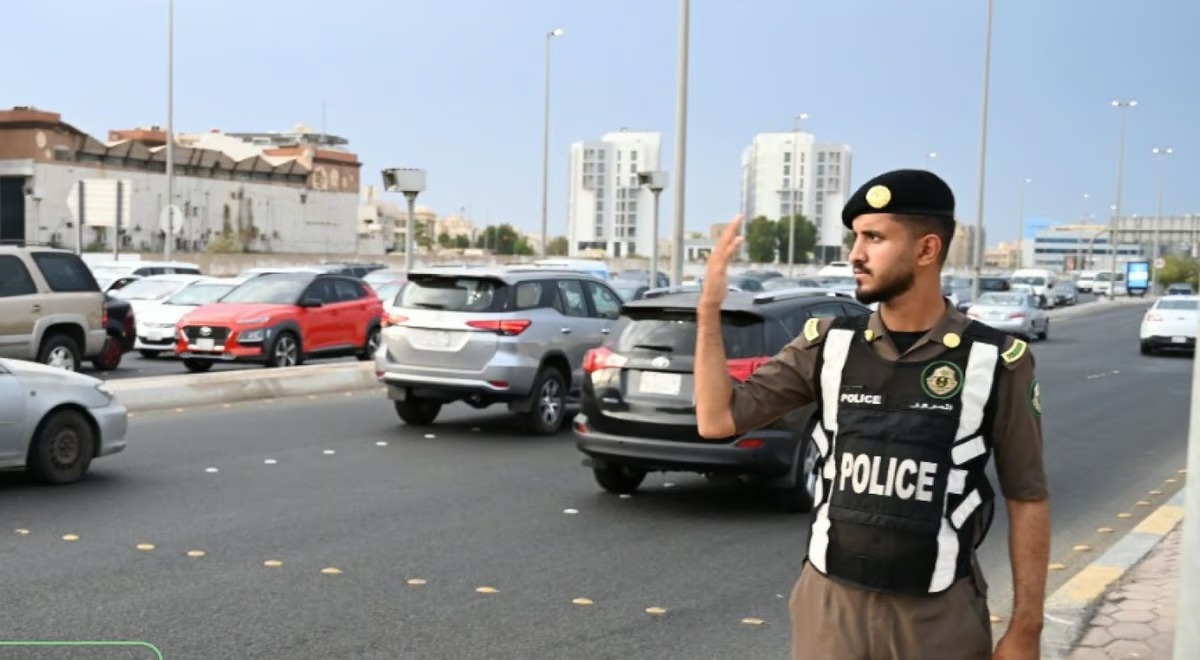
{"x":602,"y":358}
{"x":507,"y":327}
{"x":750,"y":443}
{"x":104,"y":316}
{"x":1017,"y":315}
{"x":394,"y":319}
{"x":742,"y":368}
{"x":1153,"y":317}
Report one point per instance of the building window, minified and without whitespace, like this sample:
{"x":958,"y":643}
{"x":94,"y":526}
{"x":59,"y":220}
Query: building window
{"x":820,"y":210}
{"x":633,"y":155}
{"x":787,"y":183}
{"x":820,"y":170}
{"x":787,"y":156}
{"x":821,"y":157}
{"x":787,"y":170}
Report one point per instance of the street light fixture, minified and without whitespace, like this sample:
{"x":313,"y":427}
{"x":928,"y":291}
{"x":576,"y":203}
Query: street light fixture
{"x":796,"y":193}
{"x":169,"y":235}
{"x":1114,"y":235}
{"x":680,"y":144}
{"x":556,"y":32}
{"x":410,"y":182}
{"x":987,"y":68}
{"x":1160,"y":154}
{"x":655,"y":181}
{"x":1021,"y":226}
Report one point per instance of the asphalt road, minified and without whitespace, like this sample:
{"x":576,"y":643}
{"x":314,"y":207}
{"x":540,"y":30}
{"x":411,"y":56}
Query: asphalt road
{"x":473,"y":502}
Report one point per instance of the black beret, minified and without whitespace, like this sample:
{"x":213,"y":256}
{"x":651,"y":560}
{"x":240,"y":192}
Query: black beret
{"x":901,"y":192}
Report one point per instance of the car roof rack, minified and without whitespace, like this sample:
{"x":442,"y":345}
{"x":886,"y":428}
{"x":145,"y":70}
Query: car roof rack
{"x":798,"y":292}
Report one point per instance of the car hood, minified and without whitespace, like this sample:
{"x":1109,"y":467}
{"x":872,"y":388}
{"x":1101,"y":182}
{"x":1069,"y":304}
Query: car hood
{"x":228,"y":313}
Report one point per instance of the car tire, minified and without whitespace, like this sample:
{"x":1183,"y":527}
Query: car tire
{"x":619,"y":480}
{"x":549,"y":409}
{"x":63,"y":448}
{"x":418,"y":412}
{"x":1147,"y":349}
{"x":149,"y":355}
{"x":60,"y":351}
{"x":285,"y":351}
{"x":1045,"y":333}
{"x":197,"y":366}
{"x":110,"y":357}
{"x":371,"y":345}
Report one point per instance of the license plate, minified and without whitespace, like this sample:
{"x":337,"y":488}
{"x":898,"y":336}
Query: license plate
{"x":1178,"y":340}
{"x":429,"y":338}
{"x":657,"y":382}
{"x":203,"y":344}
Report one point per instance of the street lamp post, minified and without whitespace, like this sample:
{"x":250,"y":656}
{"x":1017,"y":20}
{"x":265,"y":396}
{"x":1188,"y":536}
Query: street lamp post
{"x":796,"y":193}
{"x":410,"y":182}
{"x":987,"y":67}
{"x":1114,"y":234}
{"x":680,"y":145}
{"x":556,"y":32}
{"x":1161,"y":153}
{"x":1021,"y":226}
{"x":169,"y":236}
{"x":655,"y":181}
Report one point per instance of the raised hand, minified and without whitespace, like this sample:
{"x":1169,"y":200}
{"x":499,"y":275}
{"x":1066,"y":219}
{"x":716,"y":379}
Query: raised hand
{"x":716,"y":276}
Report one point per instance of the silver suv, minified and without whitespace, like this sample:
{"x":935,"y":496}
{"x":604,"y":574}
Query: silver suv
{"x":508,"y":335}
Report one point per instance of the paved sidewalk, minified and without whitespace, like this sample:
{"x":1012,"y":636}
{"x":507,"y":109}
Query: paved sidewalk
{"x":1136,"y":618}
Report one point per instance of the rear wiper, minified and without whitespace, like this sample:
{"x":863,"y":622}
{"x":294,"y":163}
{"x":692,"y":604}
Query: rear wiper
{"x":429,"y":305}
{"x":656,"y":347}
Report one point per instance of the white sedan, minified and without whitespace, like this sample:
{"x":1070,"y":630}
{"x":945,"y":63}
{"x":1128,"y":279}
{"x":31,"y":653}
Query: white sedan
{"x":156,"y":321}
{"x":54,"y":422}
{"x":1170,"y":324}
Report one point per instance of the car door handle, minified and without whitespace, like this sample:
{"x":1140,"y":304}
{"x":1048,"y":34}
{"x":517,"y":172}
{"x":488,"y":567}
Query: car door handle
{"x":36,"y":307}
{"x":566,"y":331}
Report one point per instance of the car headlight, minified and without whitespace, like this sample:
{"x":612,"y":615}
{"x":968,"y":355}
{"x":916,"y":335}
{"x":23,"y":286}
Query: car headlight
{"x":104,"y":391}
{"x":254,"y":321}
{"x":255,"y":335}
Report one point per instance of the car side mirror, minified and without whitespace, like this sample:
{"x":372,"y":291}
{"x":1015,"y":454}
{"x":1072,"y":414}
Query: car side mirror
{"x":311,"y":302}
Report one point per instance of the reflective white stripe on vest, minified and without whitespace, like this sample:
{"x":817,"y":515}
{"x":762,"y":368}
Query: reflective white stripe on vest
{"x":818,"y":436}
{"x":958,"y":481}
{"x":947,"y":557}
{"x":981,"y":370}
{"x":818,"y":542}
{"x":963,"y":452}
{"x":837,"y":347}
{"x":966,"y":508}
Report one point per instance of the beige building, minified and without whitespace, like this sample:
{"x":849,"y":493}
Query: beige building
{"x":1005,"y":256}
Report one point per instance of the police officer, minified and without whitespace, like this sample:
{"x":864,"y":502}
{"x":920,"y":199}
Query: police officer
{"x":913,"y":401}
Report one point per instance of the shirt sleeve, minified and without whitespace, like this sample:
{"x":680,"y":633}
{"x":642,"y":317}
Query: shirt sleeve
{"x":782,"y":384}
{"x":1016,"y":432}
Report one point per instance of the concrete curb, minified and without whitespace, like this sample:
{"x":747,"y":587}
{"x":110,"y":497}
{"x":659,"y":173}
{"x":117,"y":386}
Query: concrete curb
{"x":1068,"y":610}
{"x":187,"y":390}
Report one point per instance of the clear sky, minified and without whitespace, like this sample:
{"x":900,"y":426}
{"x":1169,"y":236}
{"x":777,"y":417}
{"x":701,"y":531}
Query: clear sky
{"x":455,"y":87}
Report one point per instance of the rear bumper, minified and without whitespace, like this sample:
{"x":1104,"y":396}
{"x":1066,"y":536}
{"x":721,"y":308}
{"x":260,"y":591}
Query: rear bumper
{"x":1168,"y":341}
{"x":493,"y":381}
{"x":772,"y":457}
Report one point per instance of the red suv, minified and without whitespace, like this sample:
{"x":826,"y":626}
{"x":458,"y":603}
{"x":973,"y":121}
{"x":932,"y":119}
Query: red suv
{"x":281,"y":320}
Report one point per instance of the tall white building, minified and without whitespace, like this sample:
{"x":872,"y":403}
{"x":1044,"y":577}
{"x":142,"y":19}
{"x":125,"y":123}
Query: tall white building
{"x":786,"y":171}
{"x":608,"y":212}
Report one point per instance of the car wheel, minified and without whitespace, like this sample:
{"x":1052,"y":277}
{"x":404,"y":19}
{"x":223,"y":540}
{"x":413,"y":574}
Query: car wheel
{"x":372,"y":345}
{"x":285,"y":351}
{"x":1147,"y":349}
{"x":197,"y":366}
{"x":110,"y":357}
{"x":149,"y":355}
{"x":1045,"y":333}
{"x":619,"y":480}
{"x":61,"y":352}
{"x":418,"y":412}
{"x":63,"y":448}
{"x":549,"y":404}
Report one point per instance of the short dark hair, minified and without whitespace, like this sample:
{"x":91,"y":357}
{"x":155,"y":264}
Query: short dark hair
{"x":943,"y":228}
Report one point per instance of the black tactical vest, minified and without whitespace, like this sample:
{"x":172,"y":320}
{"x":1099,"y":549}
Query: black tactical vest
{"x":904,"y":497}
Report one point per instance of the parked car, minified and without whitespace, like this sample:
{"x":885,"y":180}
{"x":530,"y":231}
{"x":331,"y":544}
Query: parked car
{"x":1016,"y":312}
{"x":51,"y":308}
{"x":781,"y":283}
{"x":1065,"y":293}
{"x":122,"y":333}
{"x":54,"y":422}
{"x":506,"y":335}
{"x":1180,"y":289}
{"x":156,"y":323}
{"x":281,"y":320}
{"x":638,"y":409}
{"x":1170,"y":325}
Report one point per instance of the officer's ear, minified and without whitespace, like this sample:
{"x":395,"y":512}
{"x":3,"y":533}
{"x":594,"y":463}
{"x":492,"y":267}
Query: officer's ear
{"x":929,"y":250}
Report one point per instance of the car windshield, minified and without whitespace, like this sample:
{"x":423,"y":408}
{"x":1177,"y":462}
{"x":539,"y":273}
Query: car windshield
{"x":381,"y":276}
{"x":675,"y":333}
{"x":993,"y":284}
{"x":1002,"y":299}
{"x":452,"y":294}
{"x":1178,"y":304}
{"x":1030,"y":279}
{"x":148,"y":289}
{"x":200,"y":294}
{"x":268,"y":290}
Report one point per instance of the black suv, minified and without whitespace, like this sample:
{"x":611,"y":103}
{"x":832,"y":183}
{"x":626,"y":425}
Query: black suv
{"x":638,"y":409}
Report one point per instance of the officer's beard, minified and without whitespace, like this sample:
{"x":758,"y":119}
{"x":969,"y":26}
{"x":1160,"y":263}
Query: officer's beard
{"x":885,"y":289}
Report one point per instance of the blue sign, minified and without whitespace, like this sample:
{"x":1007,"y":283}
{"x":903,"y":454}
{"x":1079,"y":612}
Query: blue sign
{"x":1137,"y":276}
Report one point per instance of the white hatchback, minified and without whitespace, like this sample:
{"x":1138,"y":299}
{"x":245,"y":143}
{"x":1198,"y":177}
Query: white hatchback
{"x":1170,"y":324}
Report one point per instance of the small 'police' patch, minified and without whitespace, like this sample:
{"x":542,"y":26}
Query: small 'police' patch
{"x":1015,"y":352}
{"x":1035,"y":398}
{"x":812,"y":329}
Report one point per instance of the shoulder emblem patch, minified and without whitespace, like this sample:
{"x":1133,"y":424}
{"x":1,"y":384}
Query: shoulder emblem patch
{"x":1035,"y":398}
{"x":812,"y":329}
{"x":1015,"y":352}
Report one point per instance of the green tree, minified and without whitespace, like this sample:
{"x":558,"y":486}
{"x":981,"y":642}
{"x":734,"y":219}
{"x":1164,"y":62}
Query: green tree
{"x":503,"y":240}
{"x":444,"y":240}
{"x":1179,"y":268}
{"x":557,"y":247}
{"x":462,"y":242}
{"x":806,"y":239}
{"x":761,"y":240}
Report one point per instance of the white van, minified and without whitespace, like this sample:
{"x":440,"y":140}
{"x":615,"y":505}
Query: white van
{"x":1040,"y":281}
{"x":1086,"y":281}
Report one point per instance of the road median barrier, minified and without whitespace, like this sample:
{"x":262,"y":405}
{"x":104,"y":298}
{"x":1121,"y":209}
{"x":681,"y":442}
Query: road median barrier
{"x":189,"y":390}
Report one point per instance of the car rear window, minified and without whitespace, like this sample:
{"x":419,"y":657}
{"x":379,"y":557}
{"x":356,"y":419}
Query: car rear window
{"x":65,"y":272}
{"x":675,"y":333}
{"x":1178,"y":304}
{"x":453,"y":294}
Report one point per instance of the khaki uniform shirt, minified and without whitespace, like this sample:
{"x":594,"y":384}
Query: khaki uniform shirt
{"x":788,"y":381}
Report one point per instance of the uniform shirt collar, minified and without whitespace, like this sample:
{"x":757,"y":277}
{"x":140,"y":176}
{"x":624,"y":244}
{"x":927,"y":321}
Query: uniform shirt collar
{"x":947,"y":330}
